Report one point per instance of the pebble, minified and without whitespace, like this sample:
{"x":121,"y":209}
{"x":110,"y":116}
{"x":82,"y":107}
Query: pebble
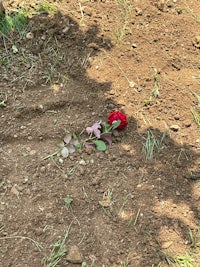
{"x":66,"y":29}
{"x":96,"y":181}
{"x":43,"y":169}
{"x":138,"y":11}
{"x":82,"y":162}
{"x":134,"y":45}
{"x":177,"y":117}
{"x":74,"y":255}
{"x":32,"y":152}
{"x":80,"y":171}
{"x":174,"y":128}
{"x":196,"y":41}
{"x":29,"y":35}
{"x":167,"y":244}
{"x":187,"y":123}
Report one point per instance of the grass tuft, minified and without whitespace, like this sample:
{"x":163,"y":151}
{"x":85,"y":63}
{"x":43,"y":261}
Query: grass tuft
{"x":58,"y":250}
{"x":196,"y":116}
{"x":185,"y":260}
{"x":17,"y":21}
{"x":152,"y":145}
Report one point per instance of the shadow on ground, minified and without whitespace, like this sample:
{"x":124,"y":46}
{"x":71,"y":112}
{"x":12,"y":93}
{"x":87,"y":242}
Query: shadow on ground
{"x":48,"y":91}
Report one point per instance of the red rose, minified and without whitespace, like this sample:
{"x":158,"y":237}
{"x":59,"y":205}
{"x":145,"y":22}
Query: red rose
{"x":118,"y":116}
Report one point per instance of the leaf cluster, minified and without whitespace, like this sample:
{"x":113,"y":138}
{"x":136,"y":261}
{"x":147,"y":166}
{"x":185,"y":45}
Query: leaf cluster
{"x":100,"y":134}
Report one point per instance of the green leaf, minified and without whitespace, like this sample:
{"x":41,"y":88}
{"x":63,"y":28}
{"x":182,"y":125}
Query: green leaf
{"x":15,"y":49}
{"x":68,"y":200}
{"x":3,"y":104}
{"x":116,"y":124}
{"x":100,"y":145}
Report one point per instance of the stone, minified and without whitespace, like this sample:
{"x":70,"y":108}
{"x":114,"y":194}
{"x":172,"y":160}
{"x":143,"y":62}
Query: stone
{"x":196,"y":41}
{"x":138,"y":11}
{"x":32,"y":152}
{"x":29,"y":35}
{"x":174,"y":128}
{"x":43,"y":169}
{"x":167,"y":244}
{"x":82,"y":162}
{"x":74,"y":255}
{"x":66,"y":29}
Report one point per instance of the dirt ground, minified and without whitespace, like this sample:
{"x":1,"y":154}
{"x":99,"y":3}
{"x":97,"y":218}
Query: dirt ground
{"x":73,"y":68}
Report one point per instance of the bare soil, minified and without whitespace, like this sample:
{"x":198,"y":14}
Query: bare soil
{"x":76,"y":66}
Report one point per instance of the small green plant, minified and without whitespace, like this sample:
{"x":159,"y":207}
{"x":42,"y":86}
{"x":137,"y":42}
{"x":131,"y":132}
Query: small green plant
{"x":107,"y":201}
{"x":152,"y":145}
{"x":68,"y":200}
{"x":155,"y":92}
{"x":196,"y":116}
{"x":198,"y":98}
{"x":156,"y":89}
{"x":58,"y":251}
{"x":39,"y":247}
{"x":3,"y":100}
{"x":185,"y":260}
{"x":17,"y":21}
{"x":191,"y":12}
{"x":195,"y":238}
{"x":123,"y":19}
{"x":45,"y":6}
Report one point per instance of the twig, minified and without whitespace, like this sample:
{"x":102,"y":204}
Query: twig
{"x":136,"y":218}
{"x":51,"y":155}
{"x":24,"y":238}
{"x":5,"y":44}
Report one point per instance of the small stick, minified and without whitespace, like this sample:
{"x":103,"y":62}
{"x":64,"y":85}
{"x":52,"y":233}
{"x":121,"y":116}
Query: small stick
{"x":136,"y":218}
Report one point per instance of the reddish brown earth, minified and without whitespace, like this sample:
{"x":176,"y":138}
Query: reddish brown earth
{"x":78,"y":67}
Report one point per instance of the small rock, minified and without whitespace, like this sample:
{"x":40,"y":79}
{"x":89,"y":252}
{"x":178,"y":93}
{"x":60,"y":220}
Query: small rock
{"x":134,"y":45}
{"x":74,"y":255}
{"x":32,"y":152}
{"x":167,"y":244}
{"x":14,"y":191}
{"x":187,"y":123}
{"x":93,"y":46}
{"x":196,"y":41}
{"x":82,"y":162}
{"x":43,"y":169}
{"x":89,"y":150}
{"x":80,"y":171}
{"x":174,"y":128}
{"x":43,"y":37}
{"x":66,"y":29}
{"x":138,"y":11}
{"x":176,"y":117}
{"x":160,"y":4}
{"x":29,"y":35}
{"x":96,"y":181}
